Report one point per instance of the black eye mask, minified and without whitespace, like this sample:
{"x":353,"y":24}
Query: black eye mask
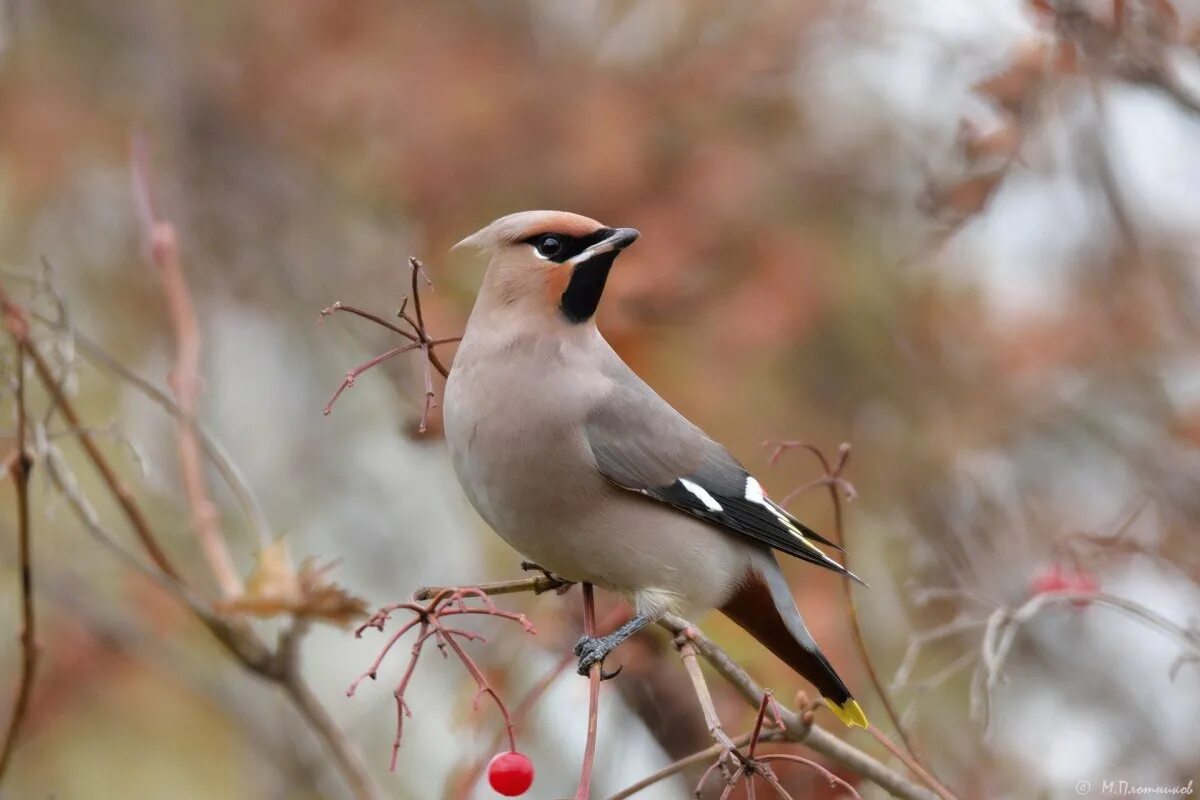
{"x":568,"y":246}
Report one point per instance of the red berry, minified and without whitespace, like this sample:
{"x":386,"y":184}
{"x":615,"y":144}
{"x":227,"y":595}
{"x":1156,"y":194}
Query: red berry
{"x":1055,"y":579}
{"x":510,"y":773}
{"x":1051,"y":581}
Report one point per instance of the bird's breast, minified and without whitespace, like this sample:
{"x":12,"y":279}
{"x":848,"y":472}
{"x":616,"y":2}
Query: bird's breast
{"x":514,"y":427}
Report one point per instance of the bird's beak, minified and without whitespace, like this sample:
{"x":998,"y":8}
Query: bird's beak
{"x":616,"y":241}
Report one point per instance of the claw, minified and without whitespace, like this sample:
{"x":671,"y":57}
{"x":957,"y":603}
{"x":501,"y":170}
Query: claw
{"x":590,"y":651}
{"x":608,"y":676}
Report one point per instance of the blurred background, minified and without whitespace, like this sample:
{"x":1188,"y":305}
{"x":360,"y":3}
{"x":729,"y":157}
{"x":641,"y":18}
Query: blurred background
{"x":962,"y":237}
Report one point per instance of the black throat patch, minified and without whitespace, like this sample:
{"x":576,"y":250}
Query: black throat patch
{"x":583,"y":292}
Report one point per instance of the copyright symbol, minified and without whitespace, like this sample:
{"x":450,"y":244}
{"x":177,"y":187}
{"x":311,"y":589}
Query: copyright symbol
{"x":1083,"y":787}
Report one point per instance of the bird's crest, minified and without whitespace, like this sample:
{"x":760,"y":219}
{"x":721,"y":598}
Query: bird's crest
{"x":523,"y":224}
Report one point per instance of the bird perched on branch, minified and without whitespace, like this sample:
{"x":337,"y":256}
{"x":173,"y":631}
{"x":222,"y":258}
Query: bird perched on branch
{"x":583,"y":468}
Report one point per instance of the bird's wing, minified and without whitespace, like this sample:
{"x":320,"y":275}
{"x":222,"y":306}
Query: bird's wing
{"x":643,"y":445}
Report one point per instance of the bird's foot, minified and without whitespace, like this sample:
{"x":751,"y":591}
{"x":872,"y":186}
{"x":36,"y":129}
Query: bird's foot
{"x":593,"y":650}
{"x":556,"y":583}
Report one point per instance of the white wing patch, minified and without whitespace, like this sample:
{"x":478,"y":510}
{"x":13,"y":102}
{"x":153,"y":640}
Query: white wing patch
{"x":701,"y":494}
{"x":754,"y":492}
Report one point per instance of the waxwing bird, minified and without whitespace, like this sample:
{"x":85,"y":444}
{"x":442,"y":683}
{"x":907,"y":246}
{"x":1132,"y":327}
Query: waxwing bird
{"x":582,"y":468}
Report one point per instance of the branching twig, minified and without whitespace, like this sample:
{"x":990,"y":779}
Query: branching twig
{"x":418,"y":337}
{"x":466,"y":783}
{"x":699,"y":757}
{"x":224,"y":465}
{"x":1004,"y":624}
{"x":837,"y":486}
{"x":279,"y":667}
{"x":15,"y":315}
{"x":595,"y":674}
{"x":795,"y":728}
{"x":185,"y":378}
{"x":430,"y":623}
{"x":29,"y":649}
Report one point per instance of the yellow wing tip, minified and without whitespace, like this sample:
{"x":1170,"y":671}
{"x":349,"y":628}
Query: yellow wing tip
{"x":850,"y":713}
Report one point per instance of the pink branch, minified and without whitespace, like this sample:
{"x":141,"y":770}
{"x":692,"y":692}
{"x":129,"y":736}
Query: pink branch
{"x":419,"y":339}
{"x":584,"y":792}
{"x":430,"y":619}
{"x":185,"y":377}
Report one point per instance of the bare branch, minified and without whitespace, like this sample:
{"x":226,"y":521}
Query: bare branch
{"x":795,"y":729}
{"x":595,"y":674}
{"x":418,"y":337}
{"x":29,"y":650}
{"x":837,"y":485}
{"x":185,"y":378}
{"x":430,"y":623}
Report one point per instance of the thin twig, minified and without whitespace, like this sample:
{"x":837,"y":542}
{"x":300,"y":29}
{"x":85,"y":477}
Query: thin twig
{"x":687,"y":654}
{"x":133,"y":513}
{"x":349,"y":763}
{"x":466,"y":783}
{"x":225,"y":466}
{"x":834,"y":481}
{"x":536,"y":585}
{"x":185,"y":377}
{"x":429,"y":622}
{"x":813,"y":736}
{"x":418,"y":337}
{"x":584,"y":790}
{"x":911,"y":762}
{"x":796,"y":730}
{"x":29,"y":649}
{"x":240,"y":641}
{"x":699,"y":757}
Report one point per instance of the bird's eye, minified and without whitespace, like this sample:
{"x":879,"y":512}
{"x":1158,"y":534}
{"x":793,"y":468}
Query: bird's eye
{"x":549,"y":246}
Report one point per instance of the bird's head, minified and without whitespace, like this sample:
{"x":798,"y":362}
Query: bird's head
{"x":549,"y":262}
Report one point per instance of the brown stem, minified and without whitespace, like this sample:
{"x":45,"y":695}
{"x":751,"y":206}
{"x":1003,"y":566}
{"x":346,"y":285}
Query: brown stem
{"x":430,"y":618}
{"x":29,"y":650}
{"x":348,"y":381}
{"x":584,"y":791}
{"x":911,"y":762}
{"x":15,"y":317}
{"x":687,"y":654}
{"x":378,"y":320}
{"x":700,"y":757}
{"x":185,"y":380}
{"x":348,"y":762}
{"x":795,"y":730}
{"x":467,"y":782}
{"x":536,"y":585}
{"x":240,"y":641}
{"x":229,"y":471}
{"x":833,"y":482}
{"x":418,"y":337}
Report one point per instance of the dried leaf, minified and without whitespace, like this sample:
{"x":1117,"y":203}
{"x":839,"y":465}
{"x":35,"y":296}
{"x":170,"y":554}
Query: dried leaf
{"x":275,"y":587}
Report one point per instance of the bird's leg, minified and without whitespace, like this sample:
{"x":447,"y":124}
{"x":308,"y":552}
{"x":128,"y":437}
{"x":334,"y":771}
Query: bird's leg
{"x":593,"y":649}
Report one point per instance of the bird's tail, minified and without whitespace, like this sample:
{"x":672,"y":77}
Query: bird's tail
{"x":764,"y":607}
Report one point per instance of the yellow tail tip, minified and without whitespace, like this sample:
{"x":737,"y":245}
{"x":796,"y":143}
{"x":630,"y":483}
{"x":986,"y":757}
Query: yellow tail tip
{"x":850,"y":713}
